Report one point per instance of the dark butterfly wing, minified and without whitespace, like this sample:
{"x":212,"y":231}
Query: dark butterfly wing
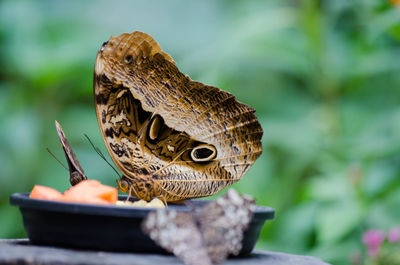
{"x":223,"y":222}
{"x":178,"y":233}
{"x":75,"y":170}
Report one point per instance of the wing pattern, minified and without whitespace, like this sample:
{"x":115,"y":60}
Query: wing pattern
{"x":170,"y":136}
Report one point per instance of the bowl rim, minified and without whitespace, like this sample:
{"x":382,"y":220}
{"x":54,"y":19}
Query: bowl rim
{"x":23,"y":201}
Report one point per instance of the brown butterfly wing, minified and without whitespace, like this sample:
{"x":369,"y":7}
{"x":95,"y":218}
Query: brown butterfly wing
{"x":177,"y":233}
{"x":76,"y":172}
{"x":172,"y":136}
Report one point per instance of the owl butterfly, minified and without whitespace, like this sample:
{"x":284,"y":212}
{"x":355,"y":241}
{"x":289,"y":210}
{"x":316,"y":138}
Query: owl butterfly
{"x":204,"y":237}
{"x":75,"y":170}
{"x":170,"y":136}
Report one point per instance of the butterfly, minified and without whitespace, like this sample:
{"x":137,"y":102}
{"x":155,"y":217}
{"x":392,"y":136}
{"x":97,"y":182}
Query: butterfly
{"x":75,"y":169}
{"x":170,"y":136}
{"x":204,"y":237}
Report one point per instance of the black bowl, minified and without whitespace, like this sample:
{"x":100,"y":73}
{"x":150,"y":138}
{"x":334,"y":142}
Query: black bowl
{"x":112,"y":228}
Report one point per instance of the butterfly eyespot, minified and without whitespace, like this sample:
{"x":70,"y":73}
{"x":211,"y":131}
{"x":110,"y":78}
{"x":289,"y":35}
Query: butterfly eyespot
{"x":128,"y":59}
{"x":203,"y":153}
{"x":155,"y":127}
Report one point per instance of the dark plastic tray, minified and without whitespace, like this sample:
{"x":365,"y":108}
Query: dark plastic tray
{"x":112,"y":228}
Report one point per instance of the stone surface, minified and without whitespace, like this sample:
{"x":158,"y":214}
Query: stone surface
{"x":19,"y":251}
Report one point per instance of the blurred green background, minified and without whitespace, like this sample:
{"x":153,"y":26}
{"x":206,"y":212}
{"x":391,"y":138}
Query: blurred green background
{"x":324,"y":77}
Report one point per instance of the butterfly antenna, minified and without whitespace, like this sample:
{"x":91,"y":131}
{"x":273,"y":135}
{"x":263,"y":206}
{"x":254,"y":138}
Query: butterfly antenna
{"x":101,"y":154}
{"x":48,"y":150}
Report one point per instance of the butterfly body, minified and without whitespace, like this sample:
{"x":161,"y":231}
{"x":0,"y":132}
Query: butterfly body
{"x":170,"y":136}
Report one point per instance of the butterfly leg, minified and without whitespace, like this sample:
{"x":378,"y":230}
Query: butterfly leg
{"x":133,"y":191}
{"x":129,"y":194}
{"x":162,"y":197}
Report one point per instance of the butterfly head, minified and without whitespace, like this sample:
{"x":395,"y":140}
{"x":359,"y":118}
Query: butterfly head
{"x":123,"y":184}
{"x":141,"y":187}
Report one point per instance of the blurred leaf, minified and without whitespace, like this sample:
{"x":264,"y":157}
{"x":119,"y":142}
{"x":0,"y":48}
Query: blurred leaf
{"x":322,"y":75}
{"x":335,"y":220}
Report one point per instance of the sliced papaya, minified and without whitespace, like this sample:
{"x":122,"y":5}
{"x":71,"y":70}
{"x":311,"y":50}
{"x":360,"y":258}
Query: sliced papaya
{"x":91,"y":191}
{"x":45,"y":193}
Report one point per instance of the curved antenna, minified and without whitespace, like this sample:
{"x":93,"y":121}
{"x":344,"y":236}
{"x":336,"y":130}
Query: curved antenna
{"x":48,"y":150}
{"x":101,"y":154}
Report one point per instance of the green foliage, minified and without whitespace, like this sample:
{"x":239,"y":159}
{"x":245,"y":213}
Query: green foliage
{"x":322,"y":75}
